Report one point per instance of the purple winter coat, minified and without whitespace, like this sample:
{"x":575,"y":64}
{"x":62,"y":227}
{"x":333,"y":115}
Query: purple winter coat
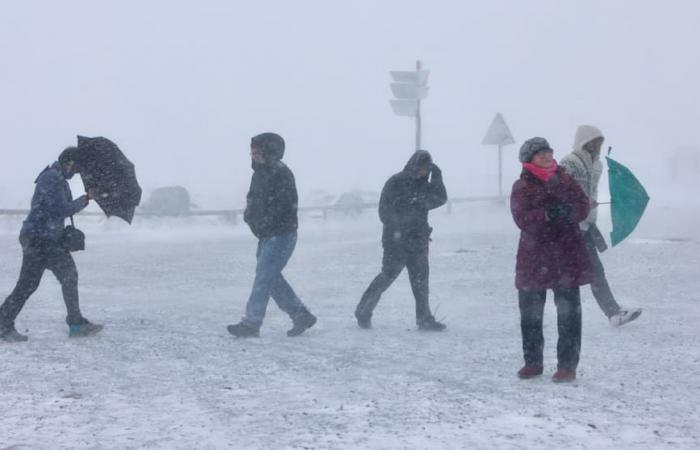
{"x":551,"y":253}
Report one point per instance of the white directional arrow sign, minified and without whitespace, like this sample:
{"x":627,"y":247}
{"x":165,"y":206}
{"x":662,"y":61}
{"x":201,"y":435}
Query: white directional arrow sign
{"x":409,"y":88}
{"x":407,"y":108}
{"x":420,"y":77}
{"x":409,"y":91}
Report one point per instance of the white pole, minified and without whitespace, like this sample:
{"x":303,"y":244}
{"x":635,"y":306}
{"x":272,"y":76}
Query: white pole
{"x":418,"y":117}
{"x":500,"y":170}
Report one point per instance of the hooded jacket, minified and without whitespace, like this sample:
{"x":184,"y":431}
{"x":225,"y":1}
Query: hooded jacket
{"x":406,"y":200}
{"x":271,"y":203}
{"x":52,"y":203}
{"x":584,"y":170}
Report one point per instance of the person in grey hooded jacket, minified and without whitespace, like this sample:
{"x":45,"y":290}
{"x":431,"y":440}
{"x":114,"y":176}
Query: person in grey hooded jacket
{"x":42,"y":248}
{"x":406,"y":199}
{"x":584,"y":165}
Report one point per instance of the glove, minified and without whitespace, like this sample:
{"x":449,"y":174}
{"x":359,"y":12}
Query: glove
{"x":559,"y":212}
{"x":435,"y":171}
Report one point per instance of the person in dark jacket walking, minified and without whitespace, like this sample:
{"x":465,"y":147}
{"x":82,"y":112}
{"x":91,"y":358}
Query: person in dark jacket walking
{"x":42,"y":248}
{"x":271,"y":214}
{"x":547,"y":205}
{"x":403,"y":209}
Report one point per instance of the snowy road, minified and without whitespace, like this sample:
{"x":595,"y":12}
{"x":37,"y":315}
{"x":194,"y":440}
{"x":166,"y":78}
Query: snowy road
{"x":165,"y":374}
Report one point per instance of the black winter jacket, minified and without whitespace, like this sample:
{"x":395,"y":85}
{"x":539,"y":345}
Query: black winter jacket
{"x":271,"y":203}
{"x":406,"y":200}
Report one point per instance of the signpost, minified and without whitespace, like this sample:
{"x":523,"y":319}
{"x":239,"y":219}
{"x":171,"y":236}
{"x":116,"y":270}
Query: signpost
{"x":409,"y":88}
{"x":499,"y":134}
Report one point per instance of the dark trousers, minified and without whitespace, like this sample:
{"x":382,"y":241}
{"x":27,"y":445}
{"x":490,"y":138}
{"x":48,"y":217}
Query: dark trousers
{"x":599,"y":284}
{"x":396,"y":257}
{"x":568,"y":303}
{"x":37,"y":256}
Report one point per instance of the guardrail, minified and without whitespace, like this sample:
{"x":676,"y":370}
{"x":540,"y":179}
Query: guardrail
{"x":324,"y":210}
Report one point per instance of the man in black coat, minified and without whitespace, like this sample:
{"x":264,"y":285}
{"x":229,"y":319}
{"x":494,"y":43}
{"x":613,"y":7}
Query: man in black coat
{"x":271,"y":214}
{"x":403,"y":209}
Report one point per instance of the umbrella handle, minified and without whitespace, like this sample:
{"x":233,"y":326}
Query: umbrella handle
{"x":605,"y":203}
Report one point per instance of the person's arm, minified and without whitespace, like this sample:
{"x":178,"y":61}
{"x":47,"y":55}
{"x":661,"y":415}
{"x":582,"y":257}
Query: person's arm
{"x":52,"y":190}
{"x":437,"y":194}
{"x":575,"y":171}
{"x":387,"y":204}
{"x":527,"y":218}
{"x":283,"y":199}
{"x":578,"y":201}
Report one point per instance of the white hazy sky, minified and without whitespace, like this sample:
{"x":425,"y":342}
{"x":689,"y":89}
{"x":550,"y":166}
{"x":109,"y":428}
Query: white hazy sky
{"x":181,"y":86}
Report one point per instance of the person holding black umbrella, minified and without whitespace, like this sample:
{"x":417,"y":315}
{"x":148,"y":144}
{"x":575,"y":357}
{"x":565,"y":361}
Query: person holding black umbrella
{"x":44,"y":246}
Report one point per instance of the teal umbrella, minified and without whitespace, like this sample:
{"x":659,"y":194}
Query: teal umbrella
{"x":628,"y":200}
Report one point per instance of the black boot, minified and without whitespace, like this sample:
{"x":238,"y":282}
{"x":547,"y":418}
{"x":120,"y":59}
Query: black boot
{"x":243,"y":330}
{"x":10,"y":334}
{"x":302,"y":322}
{"x":364,"y":322}
{"x":430,"y":324}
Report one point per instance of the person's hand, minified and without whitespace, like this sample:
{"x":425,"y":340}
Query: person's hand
{"x":435,"y":170}
{"x":558,"y":212}
{"x":92,"y":193}
{"x":85,"y":199}
{"x":593,"y":204}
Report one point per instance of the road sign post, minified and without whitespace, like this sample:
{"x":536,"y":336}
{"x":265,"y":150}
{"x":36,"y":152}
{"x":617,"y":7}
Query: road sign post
{"x":409,"y":88}
{"x":499,"y":134}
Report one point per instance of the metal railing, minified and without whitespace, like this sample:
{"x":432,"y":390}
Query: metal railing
{"x":324,"y":210}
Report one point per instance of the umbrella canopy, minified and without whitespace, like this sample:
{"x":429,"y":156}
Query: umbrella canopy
{"x":628,"y":200}
{"x":104,"y":167}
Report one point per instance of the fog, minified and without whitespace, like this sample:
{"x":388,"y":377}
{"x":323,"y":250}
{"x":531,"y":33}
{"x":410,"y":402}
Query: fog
{"x":182,"y":86}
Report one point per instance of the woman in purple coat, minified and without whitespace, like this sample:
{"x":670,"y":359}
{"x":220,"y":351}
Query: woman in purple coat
{"x":547,"y":205}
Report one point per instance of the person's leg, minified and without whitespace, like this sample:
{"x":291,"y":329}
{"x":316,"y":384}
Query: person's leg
{"x":393,"y":262}
{"x":599,"y":284}
{"x":286,"y":299}
{"x":273,"y":254}
{"x":418,"y":267}
{"x":531,"y":304}
{"x":568,"y":303}
{"x":33,"y":266}
{"x":61,"y":263}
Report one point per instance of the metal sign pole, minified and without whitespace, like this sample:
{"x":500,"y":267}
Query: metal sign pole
{"x":418,"y":117}
{"x":499,"y":134}
{"x":409,"y":88}
{"x":500,"y":170}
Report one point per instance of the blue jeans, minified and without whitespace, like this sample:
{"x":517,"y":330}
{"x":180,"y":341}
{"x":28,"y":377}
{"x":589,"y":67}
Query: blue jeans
{"x":272,"y":255}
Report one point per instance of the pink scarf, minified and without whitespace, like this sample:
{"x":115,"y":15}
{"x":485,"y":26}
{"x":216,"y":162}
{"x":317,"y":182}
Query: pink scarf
{"x":542,"y":173}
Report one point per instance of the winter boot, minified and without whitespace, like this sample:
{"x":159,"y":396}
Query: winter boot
{"x":563,"y":375}
{"x":364,"y":322}
{"x":10,"y":334}
{"x":302,"y":322}
{"x":84,"y":329}
{"x":527,"y":372}
{"x":243,"y":330}
{"x":430,"y":324}
{"x":625,"y":316}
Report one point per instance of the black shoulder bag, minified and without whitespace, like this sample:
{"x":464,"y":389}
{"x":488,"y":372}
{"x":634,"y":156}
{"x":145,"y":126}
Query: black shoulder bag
{"x":73,"y":239}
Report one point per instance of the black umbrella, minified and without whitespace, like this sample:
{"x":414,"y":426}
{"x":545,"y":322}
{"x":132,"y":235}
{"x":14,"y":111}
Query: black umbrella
{"x":104,"y":168}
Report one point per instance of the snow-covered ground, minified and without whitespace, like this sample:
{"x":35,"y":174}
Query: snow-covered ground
{"x":166,"y":374}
